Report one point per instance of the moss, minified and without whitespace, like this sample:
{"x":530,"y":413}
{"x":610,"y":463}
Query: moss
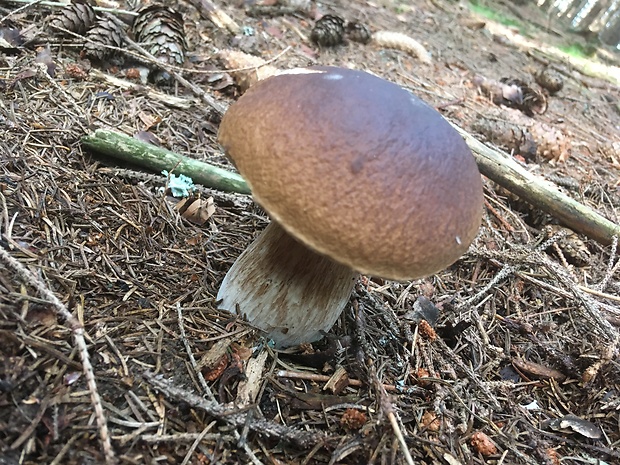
{"x":578,"y":50}
{"x":486,"y":12}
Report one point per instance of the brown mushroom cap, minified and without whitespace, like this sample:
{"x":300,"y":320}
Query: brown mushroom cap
{"x":358,"y":169}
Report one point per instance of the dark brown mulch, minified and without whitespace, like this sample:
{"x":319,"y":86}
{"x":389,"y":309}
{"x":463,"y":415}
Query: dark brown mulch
{"x":528,"y":319}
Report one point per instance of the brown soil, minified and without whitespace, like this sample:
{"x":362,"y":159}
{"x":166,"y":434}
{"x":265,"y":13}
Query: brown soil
{"x":520,"y":368}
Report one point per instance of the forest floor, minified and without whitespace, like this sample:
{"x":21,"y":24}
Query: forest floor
{"x":520,"y":367}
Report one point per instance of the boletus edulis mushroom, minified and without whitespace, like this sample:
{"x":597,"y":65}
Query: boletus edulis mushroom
{"x":358,"y":176}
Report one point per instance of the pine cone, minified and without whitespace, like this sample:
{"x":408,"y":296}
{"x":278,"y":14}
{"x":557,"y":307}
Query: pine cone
{"x":358,"y":32}
{"x":105,"y":33}
{"x":328,"y":31}
{"x":552,"y":143}
{"x":574,"y":249}
{"x":159,"y":30}
{"x":513,"y":137}
{"x":78,"y":17}
{"x":550,"y":80}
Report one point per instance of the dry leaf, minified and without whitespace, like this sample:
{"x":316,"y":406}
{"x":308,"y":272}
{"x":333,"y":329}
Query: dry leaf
{"x":536,"y":370}
{"x":430,"y":421}
{"x":196,"y":210}
{"x":576,"y":424}
{"x":149,"y":120}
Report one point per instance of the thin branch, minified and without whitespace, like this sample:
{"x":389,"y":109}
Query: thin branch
{"x":131,"y":150}
{"x":190,"y":354}
{"x":78,"y":334}
{"x":237,"y":417}
{"x":388,"y":409}
{"x":505,"y":171}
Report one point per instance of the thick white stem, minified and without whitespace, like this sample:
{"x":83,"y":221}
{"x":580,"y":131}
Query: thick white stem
{"x":285,"y":289}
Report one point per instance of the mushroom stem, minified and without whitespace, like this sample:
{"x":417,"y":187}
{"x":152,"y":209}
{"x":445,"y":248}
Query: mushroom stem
{"x":286,"y":289}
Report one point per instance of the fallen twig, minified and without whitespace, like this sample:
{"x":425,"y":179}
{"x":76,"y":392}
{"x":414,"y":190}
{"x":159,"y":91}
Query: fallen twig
{"x":127,"y":148}
{"x":237,"y":418}
{"x":508,"y":173}
{"x":494,"y":164}
{"x":352,"y":382}
{"x":388,"y":409}
{"x":78,"y":333}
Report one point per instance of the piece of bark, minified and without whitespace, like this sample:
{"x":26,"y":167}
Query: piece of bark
{"x":246,"y":69}
{"x":250,"y":387}
{"x":338,"y":381}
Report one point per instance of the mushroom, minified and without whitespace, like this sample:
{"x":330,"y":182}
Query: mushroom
{"x":358,"y":176}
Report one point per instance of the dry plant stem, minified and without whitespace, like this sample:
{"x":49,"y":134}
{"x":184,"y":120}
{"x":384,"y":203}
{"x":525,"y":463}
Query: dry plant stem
{"x":302,"y":438}
{"x":78,"y":333}
{"x":388,"y":409}
{"x":509,"y":174}
{"x":190,"y":354}
{"x":167,"y":99}
{"x":352,"y":382}
{"x":131,"y":150}
{"x":285,"y":289}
